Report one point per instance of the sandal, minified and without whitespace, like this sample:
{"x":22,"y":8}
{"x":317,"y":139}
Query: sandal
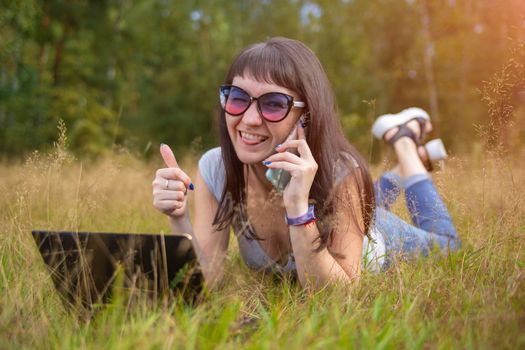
{"x":404,"y":131}
{"x":435,"y":151}
{"x":389,"y":121}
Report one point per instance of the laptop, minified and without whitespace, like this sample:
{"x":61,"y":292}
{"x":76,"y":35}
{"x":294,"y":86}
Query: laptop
{"x":87,"y":268}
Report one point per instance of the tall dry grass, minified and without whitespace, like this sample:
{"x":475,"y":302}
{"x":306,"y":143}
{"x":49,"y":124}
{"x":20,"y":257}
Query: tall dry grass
{"x":474,"y":298}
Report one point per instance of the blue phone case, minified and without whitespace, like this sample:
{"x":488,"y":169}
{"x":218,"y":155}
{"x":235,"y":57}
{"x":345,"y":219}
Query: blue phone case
{"x":279,"y":178}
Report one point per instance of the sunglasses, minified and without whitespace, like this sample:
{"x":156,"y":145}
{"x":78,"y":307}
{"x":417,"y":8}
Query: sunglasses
{"x":273,"y":106}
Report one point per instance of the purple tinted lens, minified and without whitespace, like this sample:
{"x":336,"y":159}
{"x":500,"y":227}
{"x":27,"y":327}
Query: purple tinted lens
{"x":237,"y":102}
{"x":274,"y":106}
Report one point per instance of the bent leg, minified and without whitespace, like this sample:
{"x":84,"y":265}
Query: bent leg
{"x":401,"y":237}
{"x":432,"y":223}
{"x":387,"y":189}
{"x":428,"y":211}
{"x":405,"y":240}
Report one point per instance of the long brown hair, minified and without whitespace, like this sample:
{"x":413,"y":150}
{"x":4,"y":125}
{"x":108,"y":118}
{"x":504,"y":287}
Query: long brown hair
{"x":291,"y":64}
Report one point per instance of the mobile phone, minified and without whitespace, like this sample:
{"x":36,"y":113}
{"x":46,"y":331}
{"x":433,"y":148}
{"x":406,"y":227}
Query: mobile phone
{"x":279,"y":178}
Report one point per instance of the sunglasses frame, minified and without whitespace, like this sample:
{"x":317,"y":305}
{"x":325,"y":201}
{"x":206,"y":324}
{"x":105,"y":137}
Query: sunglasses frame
{"x":290,"y":99}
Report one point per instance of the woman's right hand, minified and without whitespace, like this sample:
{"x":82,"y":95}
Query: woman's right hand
{"x":170,"y":186}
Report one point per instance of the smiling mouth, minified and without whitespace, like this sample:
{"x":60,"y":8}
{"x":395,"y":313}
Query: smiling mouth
{"x":252,"y":139}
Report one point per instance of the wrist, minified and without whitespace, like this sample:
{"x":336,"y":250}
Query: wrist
{"x":297,"y":209}
{"x":180,"y":224}
{"x":304,"y":219}
{"x":177,"y":219}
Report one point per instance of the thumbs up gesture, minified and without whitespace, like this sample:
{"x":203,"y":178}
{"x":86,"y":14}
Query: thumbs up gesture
{"x":170,"y":186}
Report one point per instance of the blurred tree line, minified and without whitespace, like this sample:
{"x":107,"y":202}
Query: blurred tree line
{"x":134,"y":73}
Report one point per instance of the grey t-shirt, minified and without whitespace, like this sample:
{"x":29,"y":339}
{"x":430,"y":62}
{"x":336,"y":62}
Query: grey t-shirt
{"x":211,"y":167}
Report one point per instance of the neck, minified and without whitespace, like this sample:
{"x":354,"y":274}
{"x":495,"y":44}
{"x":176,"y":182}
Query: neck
{"x":257,"y":172}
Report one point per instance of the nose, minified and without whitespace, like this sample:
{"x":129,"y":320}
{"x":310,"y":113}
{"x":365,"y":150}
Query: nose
{"x":252,"y":116}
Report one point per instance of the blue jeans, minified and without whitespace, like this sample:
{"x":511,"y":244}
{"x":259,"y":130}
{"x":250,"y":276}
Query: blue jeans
{"x":432,"y":225}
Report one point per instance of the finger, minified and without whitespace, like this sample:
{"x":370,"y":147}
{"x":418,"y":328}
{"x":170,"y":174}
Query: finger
{"x":168,"y":205}
{"x":175,"y":174}
{"x":176,"y":185}
{"x":289,"y":167}
{"x":284,"y":156}
{"x":170,"y":195}
{"x":168,"y":156}
{"x":300,"y":145}
{"x":161,"y":185}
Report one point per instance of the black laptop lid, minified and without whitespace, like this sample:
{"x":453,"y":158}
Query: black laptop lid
{"x":84,"y":265}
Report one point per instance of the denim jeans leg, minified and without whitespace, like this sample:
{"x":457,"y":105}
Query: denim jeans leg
{"x":433,"y":224}
{"x":428,"y":212}
{"x":401,"y":238}
{"x":387,"y":189}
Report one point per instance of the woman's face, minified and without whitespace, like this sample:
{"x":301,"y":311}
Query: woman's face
{"x":254,"y":138}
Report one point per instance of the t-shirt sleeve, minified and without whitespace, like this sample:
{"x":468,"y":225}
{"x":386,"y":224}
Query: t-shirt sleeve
{"x":343,"y":166}
{"x":212,"y":170}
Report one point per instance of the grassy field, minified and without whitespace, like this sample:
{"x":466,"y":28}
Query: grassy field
{"x":474,"y":298}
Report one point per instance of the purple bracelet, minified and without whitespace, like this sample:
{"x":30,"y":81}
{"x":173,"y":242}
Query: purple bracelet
{"x":303,"y":219}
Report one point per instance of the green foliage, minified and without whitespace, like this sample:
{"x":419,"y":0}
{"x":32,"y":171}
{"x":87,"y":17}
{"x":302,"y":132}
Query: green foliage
{"x":137,"y":73}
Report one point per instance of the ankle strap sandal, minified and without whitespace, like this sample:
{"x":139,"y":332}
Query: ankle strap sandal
{"x":435,"y":150}
{"x":389,"y":121}
{"x":405,"y":131}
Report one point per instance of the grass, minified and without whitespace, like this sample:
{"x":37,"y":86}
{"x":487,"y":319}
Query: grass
{"x":474,"y":298}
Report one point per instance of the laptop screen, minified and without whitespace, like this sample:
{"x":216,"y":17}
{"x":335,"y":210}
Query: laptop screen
{"x":86,"y":267}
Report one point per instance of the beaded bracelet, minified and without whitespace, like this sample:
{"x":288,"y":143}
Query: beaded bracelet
{"x":305,"y":219}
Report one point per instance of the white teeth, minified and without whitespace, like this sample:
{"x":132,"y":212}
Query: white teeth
{"x":252,"y":137}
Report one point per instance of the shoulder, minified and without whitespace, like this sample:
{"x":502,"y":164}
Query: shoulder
{"x":349,"y":189}
{"x":213,"y":155}
{"x":344,"y":166}
{"x":211,"y":168}
{"x":211,"y":161}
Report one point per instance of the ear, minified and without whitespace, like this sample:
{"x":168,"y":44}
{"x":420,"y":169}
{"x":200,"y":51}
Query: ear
{"x":304,"y":119}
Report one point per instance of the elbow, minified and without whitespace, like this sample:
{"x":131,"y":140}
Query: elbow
{"x":212,"y":279}
{"x":317,"y":283}
{"x":212,"y":270}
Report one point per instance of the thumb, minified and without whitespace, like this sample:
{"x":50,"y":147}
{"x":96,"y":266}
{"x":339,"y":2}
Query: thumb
{"x":168,"y":156}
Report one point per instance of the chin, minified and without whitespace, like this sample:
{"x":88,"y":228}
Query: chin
{"x":251,"y":158}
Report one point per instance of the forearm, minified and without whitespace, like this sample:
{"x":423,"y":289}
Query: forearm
{"x":211,"y":264}
{"x":211,"y":261}
{"x":181,"y":224}
{"x":316,"y":269}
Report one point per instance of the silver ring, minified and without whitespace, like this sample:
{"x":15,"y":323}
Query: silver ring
{"x":186,"y":192}
{"x":167,"y":184}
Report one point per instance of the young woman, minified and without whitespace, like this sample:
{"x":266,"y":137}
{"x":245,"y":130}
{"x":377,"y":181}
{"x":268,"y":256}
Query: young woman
{"x":278,"y":113}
